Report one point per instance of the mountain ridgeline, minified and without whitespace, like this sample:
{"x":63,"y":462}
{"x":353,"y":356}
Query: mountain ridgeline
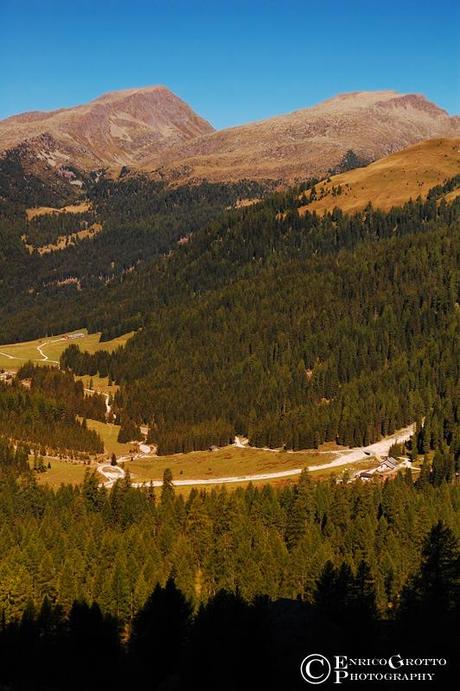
{"x":297,"y":329}
{"x":153,"y":130}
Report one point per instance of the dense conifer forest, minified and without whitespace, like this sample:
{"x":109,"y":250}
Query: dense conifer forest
{"x":62,"y":387}
{"x":294,"y":330}
{"x":141,"y":220}
{"x":283,"y":326}
{"x":312,"y":564}
{"x":46,"y":409}
{"x":48,"y":228}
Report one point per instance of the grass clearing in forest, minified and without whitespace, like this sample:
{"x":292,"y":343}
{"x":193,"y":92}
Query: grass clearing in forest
{"x":79,"y":208}
{"x":62,"y":472}
{"x":99,"y":384}
{"x":13,"y":355}
{"x":226,"y":462}
{"x":109,"y":433}
{"x":318,"y":475}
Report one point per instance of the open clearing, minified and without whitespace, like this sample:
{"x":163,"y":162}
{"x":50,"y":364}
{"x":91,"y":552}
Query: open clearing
{"x":99,"y":384}
{"x":109,"y":433}
{"x":229,"y":461}
{"x":50,"y":210}
{"x":62,"y":472}
{"x":364,"y":464}
{"x":285,"y":464}
{"x":231,"y":466}
{"x":47,"y":351}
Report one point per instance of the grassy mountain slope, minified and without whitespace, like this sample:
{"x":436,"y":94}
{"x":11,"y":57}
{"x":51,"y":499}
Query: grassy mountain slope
{"x":392,"y":180}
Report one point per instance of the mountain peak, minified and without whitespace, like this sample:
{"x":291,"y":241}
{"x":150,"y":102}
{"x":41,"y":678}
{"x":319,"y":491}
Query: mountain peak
{"x":382,"y":99}
{"x":359,"y":98}
{"x":120,"y":94}
{"x":117,"y":128}
{"x":152,"y":129}
{"x":312,"y":141}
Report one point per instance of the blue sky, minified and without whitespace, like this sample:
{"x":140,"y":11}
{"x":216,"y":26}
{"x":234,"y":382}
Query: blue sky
{"x":232,"y":60}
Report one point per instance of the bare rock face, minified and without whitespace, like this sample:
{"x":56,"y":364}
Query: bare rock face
{"x":310,"y":142}
{"x":117,"y":129}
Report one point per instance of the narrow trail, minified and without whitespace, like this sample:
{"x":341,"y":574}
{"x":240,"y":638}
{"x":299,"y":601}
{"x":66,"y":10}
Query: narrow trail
{"x":11,"y":357}
{"x":45,"y":357}
{"x":39,"y":348}
{"x":344,"y":457}
{"x":108,"y":407}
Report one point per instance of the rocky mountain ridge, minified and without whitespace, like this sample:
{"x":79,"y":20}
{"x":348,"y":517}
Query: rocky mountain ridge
{"x":153,"y":131}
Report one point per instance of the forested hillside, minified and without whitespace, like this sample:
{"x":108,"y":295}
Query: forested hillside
{"x":335,"y":563}
{"x":296,"y":330}
{"x":229,"y":348}
{"x":138,"y":222}
{"x":126,"y":540}
{"x":44,"y":413}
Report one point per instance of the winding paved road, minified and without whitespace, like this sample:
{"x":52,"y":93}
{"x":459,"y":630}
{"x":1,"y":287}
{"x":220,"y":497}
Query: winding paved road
{"x":112,"y":473}
{"x":380,"y":448}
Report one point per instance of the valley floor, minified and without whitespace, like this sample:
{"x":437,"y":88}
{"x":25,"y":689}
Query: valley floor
{"x":247,"y":464}
{"x":231,"y":466}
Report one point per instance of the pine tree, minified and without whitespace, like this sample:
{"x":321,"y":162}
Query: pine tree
{"x":430,"y":602}
{"x":160,"y":628}
{"x":167,"y":489}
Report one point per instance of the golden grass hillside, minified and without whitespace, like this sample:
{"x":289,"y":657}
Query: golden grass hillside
{"x":228,"y":461}
{"x":79,"y":208}
{"x":392,"y":180}
{"x":63,"y":473}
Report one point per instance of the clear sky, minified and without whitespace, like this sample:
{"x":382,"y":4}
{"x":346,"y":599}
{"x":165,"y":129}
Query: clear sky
{"x":232,"y":60}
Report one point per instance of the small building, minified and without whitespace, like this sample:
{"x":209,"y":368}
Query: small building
{"x":365,"y":475}
{"x":387,"y":465}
